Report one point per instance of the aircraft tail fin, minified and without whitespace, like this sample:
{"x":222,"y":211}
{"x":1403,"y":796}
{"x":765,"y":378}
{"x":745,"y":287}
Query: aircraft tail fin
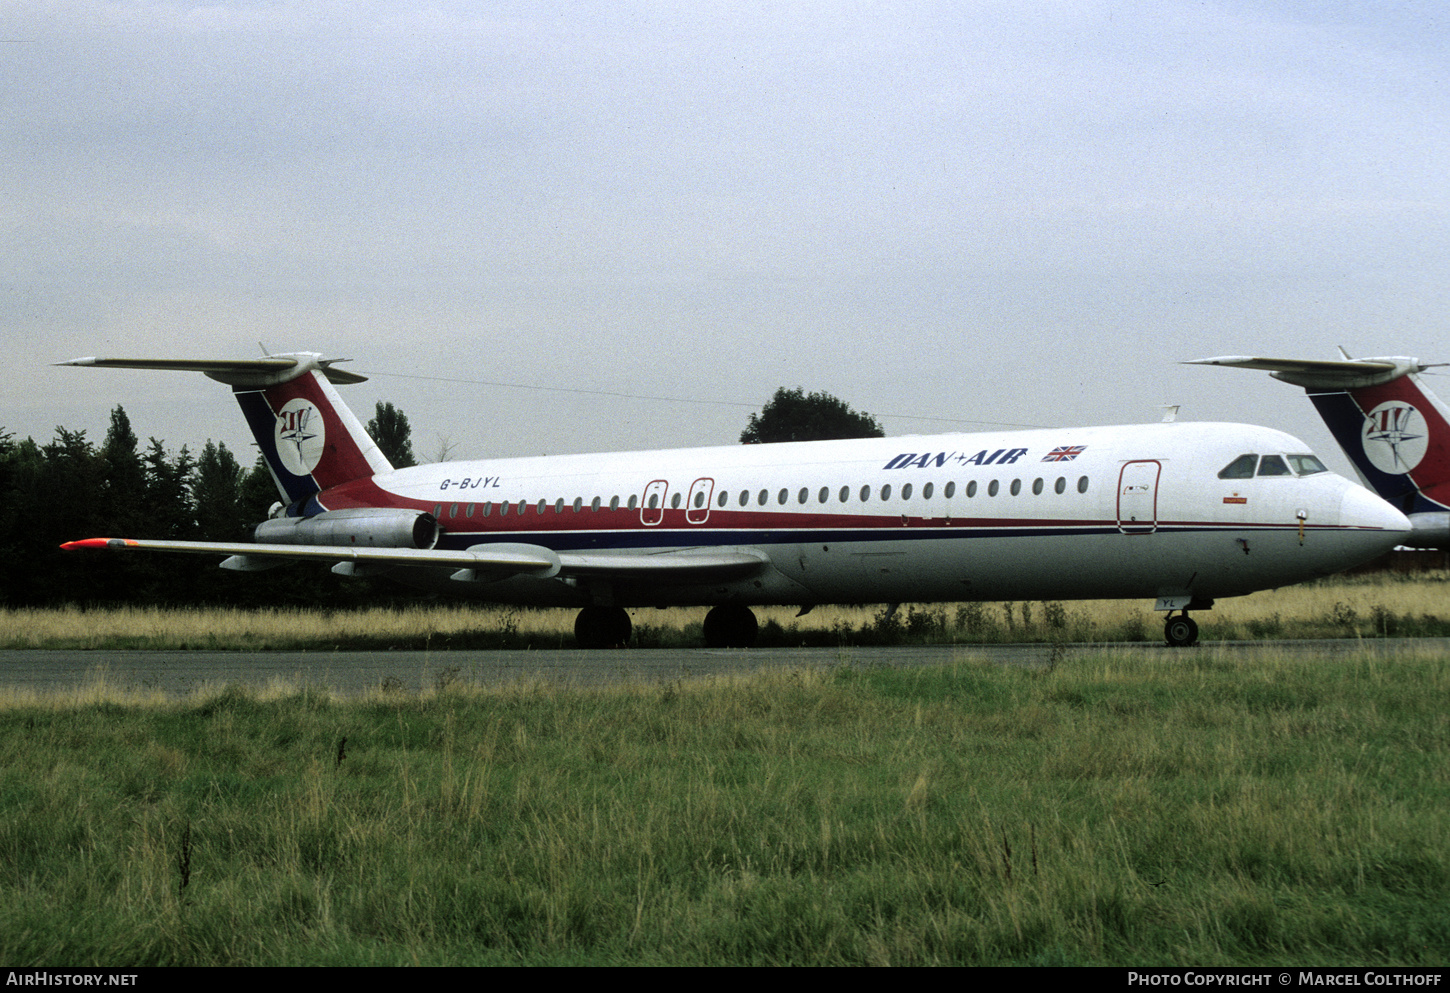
{"x":310,"y":439}
{"x":1393,"y":428}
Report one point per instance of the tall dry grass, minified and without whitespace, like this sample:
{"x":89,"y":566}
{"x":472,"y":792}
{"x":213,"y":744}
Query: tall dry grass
{"x":1383,"y":604}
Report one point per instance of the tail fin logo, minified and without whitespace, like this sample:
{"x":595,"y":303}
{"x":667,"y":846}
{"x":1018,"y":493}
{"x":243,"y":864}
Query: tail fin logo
{"x":1395,"y":437}
{"x":300,"y":436}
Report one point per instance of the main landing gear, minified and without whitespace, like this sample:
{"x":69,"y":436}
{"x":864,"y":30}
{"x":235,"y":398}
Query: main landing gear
{"x":602,"y":627}
{"x":1180,"y":631}
{"x":726,"y":626}
{"x":730,"y":626}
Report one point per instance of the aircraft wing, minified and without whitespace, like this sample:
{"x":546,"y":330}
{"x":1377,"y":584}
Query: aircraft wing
{"x":483,"y":562}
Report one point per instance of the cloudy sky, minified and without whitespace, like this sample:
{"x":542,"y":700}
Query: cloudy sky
{"x":574,"y":226}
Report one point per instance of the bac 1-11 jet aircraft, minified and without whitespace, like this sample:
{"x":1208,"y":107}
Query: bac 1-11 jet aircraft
{"x":1181,"y":513}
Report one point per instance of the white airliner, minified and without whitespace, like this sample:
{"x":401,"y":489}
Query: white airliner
{"x":1394,"y":429}
{"x":1180,"y":513}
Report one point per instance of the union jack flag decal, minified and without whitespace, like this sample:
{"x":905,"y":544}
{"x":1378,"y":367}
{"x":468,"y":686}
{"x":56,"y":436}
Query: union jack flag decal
{"x":1066,"y":453}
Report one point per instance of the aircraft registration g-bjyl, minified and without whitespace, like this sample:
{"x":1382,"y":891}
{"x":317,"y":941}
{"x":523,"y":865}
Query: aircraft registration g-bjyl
{"x":1394,"y":430}
{"x":1181,"y":513}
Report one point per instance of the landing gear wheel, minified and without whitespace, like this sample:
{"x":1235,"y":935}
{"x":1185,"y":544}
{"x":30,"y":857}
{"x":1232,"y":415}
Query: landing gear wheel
{"x":1180,"y":631}
{"x":602,"y":627}
{"x":730,"y":626}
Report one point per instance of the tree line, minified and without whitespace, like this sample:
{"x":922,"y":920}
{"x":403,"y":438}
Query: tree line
{"x":72,"y":488}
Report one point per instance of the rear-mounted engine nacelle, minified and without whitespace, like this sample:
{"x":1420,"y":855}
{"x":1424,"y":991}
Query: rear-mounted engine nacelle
{"x":364,"y":526}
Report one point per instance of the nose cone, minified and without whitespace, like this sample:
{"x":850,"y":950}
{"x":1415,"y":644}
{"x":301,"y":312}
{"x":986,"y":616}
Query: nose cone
{"x":1372,"y":525}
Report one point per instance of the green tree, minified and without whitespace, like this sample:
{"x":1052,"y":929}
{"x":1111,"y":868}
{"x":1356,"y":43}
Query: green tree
{"x":390,"y":429}
{"x":167,"y":505}
{"x":259,"y":492}
{"x":794,"y":415}
{"x":125,"y":485}
{"x":216,"y":492}
{"x":61,"y":503}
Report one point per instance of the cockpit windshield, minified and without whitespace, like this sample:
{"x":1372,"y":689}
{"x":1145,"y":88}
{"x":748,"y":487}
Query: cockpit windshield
{"x":1273,"y":465}
{"x":1306,"y":464}
{"x":1246,"y":466}
{"x":1240,"y":468}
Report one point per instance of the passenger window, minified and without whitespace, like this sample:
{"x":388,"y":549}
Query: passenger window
{"x":782,"y":497}
{"x":992,"y":488}
{"x":487,"y":508}
{"x":1082,"y":484}
{"x":845,"y":493}
{"x":906,"y":492}
{"x":542,"y":505}
{"x":674,"y":502}
{"x":865,"y":494}
{"x":469,"y":511}
{"x":503,"y":510}
{"x":558,"y":506}
{"x":886,"y":492}
{"x":1060,"y":486}
{"x":1240,"y":468}
{"x":1272,"y":465}
{"x":971,"y":489}
{"x":594,"y":504}
{"x":1016,"y":486}
{"x":744,"y":497}
{"x":1037,"y":486}
{"x":699,"y":500}
{"x":614,"y":503}
{"x":633,"y":500}
{"x":723,"y":499}
{"x":824,"y":495}
{"x":926,"y":491}
{"x":438,"y":511}
{"x":802,"y":495}
{"x":950,"y":490}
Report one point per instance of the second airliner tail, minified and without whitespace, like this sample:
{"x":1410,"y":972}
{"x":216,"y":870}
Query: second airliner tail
{"x":1393,"y":428}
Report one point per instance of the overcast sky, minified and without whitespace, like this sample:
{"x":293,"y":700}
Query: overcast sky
{"x":562,"y":227}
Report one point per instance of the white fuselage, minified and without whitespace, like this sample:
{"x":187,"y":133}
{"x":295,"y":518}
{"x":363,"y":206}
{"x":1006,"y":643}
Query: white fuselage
{"x":1072,"y":513}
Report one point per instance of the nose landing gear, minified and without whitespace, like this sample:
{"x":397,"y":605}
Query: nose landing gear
{"x":1180,"y":631}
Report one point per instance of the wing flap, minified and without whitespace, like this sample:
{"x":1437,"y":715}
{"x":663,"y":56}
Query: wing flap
{"x":682,"y":565}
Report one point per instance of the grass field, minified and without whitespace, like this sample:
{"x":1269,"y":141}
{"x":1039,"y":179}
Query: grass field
{"x":1384,"y":604}
{"x":1110,"y":809}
